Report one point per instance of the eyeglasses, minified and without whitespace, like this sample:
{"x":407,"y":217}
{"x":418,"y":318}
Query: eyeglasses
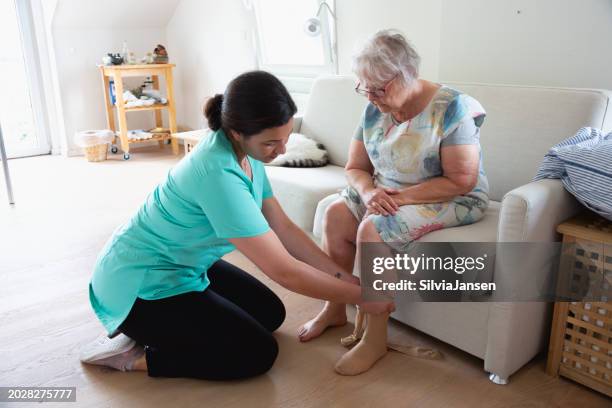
{"x":377,"y":93}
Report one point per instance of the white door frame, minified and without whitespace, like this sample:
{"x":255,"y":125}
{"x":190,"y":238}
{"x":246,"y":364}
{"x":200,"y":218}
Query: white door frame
{"x":25,"y":22}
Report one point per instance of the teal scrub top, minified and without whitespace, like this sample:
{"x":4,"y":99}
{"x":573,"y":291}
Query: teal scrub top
{"x":166,"y":248}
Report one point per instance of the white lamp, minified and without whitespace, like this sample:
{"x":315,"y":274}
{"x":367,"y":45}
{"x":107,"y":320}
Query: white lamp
{"x":312,"y":26}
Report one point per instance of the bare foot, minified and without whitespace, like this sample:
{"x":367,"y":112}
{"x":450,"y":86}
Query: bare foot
{"x":332,"y":315}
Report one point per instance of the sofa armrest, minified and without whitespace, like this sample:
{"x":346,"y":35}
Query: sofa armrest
{"x":526,"y":254}
{"x":297,"y":123}
{"x":531,"y":213}
{"x":517,"y":331}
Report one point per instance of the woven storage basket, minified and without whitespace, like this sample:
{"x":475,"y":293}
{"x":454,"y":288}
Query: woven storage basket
{"x":96,"y":153}
{"x":581,"y":338}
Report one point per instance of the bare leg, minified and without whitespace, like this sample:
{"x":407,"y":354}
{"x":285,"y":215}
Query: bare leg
{"x":339,"y":235}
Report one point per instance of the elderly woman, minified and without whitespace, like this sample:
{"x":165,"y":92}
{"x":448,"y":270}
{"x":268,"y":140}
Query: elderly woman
{"x":414,"y":167}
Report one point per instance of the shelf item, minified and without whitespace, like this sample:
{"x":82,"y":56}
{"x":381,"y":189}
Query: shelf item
{"x":146,"y":108}
{"x":160,"y":137}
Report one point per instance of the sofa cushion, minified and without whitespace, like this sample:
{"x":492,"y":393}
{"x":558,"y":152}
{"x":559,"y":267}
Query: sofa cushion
{"x":484,"y":230}
{"x":332,"y":115}
{"x":298,"y":190}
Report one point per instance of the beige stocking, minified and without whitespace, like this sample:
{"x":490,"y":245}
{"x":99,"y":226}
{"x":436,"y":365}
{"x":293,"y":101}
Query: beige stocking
{"x":352,"y":339}
{"x":371,"y":348}
{"x":416,"y":351}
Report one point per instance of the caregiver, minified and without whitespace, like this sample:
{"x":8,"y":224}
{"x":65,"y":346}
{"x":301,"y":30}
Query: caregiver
{"x":160,"y":280}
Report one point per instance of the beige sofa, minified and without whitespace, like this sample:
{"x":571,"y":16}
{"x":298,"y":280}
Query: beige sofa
{"x":522,"y":123}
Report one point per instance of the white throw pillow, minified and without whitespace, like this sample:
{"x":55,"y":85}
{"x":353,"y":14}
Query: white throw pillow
{"x":302,"y":151}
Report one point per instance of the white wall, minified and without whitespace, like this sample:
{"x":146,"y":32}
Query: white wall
{"x":418,"y":20}
{"x":85,"y":30}
{"x":531,"y":42}
{"x":550,"y":42}
{"x":209,"y":41}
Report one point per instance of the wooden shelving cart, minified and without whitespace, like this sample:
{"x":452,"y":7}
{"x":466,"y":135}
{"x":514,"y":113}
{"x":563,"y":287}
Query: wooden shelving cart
{"x":117,"y":73}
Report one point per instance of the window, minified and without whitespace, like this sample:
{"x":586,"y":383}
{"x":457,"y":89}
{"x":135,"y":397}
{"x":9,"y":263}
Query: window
{"x":295,"y":40}
{"x":21,"y":110}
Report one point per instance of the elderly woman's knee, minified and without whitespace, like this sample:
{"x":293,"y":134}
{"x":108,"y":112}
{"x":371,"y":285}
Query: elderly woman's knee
{"x":367,"y":231}
{"x":336,"y":217}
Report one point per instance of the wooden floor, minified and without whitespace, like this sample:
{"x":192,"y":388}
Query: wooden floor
{"x":66,"y":209}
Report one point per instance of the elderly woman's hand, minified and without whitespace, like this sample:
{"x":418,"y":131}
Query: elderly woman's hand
{"x":379,"y":200}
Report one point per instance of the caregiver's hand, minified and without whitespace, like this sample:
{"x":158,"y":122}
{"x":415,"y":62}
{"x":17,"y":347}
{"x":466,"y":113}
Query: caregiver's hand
{"x":377,"y":307}
{"x":379,"y":201}
{"x":269,"y":254}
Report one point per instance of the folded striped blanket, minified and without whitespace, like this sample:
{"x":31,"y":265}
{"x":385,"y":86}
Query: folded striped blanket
{"x":584,"y":164}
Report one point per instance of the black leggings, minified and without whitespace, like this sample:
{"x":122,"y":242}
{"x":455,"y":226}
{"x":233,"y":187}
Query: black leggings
{"x":222,"y":333}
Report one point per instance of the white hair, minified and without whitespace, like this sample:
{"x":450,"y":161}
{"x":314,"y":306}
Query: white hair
{"x":385,"y":55}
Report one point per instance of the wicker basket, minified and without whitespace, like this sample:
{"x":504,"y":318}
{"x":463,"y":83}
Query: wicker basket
{"x":581,"y":338}
{"x":96,"y":153}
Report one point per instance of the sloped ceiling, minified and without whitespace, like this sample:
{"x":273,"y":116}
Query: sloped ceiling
{"x":96,"y":14}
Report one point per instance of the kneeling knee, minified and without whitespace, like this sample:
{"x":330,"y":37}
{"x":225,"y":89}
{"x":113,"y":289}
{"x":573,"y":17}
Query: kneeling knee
{"x":277,"y":317}
{"x":264,"y":356}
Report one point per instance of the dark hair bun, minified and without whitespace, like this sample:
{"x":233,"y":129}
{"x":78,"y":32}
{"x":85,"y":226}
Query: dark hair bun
{"x":212,"y":111}
{"x":252,"y":102}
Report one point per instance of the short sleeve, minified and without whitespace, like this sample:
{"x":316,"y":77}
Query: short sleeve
{"x":229,"y":206}
{"x":267,"y":188}
{"x":466,"y":133}
{"x":368,"y":119}
{"x":459,"y":110}
{"x":358,"y":134}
